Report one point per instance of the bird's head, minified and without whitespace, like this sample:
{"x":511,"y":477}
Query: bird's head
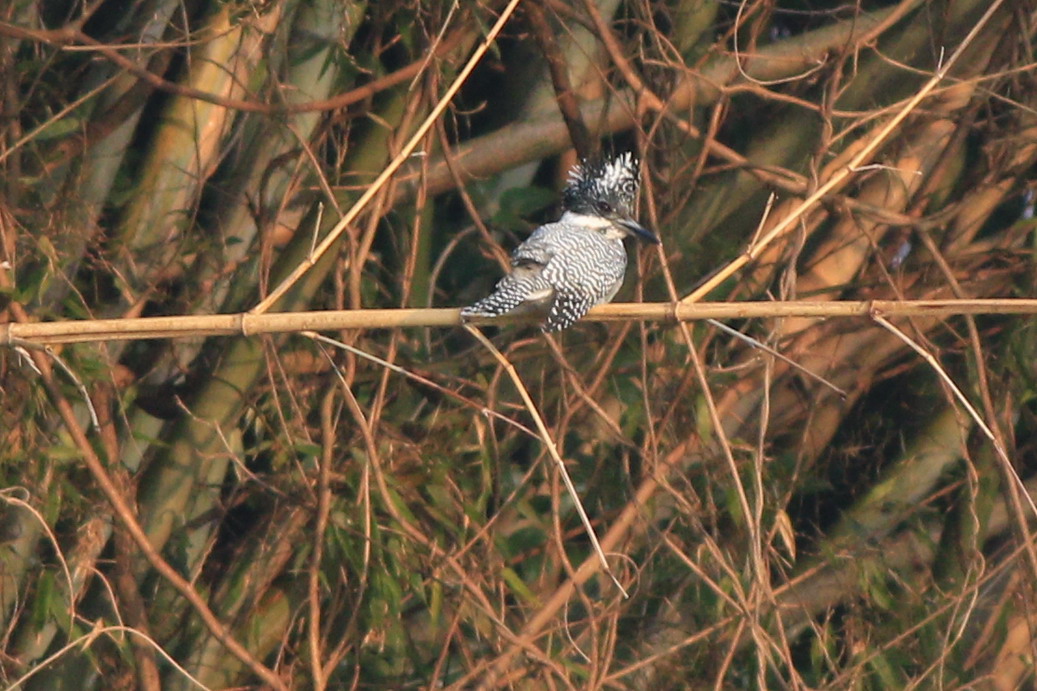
{"x":603,"y":195}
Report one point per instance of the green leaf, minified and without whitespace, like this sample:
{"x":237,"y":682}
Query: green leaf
{"x":518,"y":586}
{"x":59,"y":128}
{"x":43,"y":603}
{"x":517,"y":203}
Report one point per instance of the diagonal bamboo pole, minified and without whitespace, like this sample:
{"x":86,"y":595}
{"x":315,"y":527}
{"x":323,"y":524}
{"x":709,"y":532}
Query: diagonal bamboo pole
{"x":405,"y":152}
{"x":843,"y":174}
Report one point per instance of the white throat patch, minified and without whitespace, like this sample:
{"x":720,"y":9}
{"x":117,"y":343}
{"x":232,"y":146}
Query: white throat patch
{"x":586,"y":220}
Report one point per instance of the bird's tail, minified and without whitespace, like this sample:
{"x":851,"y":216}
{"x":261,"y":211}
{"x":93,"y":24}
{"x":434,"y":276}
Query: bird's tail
{"x":511,"y":294}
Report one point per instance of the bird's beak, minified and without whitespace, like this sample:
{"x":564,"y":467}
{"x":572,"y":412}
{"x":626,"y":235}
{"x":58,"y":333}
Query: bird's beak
{"x":639,"y":230}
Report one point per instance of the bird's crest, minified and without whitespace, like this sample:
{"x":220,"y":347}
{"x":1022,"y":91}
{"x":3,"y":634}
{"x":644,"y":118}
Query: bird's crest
{"x":611,"y":185}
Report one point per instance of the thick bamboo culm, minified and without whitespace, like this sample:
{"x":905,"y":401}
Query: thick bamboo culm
{"x":82,"y":331}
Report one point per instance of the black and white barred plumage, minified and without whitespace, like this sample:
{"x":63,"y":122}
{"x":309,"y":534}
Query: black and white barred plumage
{"x":567,"y":267}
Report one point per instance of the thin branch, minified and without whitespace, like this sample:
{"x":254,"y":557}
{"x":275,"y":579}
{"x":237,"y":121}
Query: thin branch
{"x":552,"y":449}
{"x":129,"y":520}
{"x":999,"y":449}
{"x":87,"y":640}
{"x":558,"y":68}
{"x":771,"y":351}
{"x":71,"y":38}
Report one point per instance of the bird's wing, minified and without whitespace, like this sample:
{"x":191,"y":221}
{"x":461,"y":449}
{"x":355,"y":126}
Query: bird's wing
{"x":538,"y":249}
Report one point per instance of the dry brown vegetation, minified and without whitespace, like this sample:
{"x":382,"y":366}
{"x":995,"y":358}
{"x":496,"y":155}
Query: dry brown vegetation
{"x":376,"y":507}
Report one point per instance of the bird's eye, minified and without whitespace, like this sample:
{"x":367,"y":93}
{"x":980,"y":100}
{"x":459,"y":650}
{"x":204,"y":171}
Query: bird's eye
{"x":603,"y":207}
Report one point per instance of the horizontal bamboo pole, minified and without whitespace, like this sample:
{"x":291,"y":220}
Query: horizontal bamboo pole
{"x":82,"y":331}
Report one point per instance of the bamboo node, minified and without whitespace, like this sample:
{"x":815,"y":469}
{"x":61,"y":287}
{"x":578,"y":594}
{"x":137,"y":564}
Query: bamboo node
{"x":243,"y":324}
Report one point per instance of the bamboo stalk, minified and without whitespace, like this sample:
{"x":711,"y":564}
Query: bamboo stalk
{"x":244,"y":324}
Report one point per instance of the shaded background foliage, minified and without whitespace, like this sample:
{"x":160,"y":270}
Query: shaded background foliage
{"x":350,"y":527}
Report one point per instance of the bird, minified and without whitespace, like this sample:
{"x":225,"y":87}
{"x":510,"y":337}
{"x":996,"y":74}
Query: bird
{"x":566,"y":267}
